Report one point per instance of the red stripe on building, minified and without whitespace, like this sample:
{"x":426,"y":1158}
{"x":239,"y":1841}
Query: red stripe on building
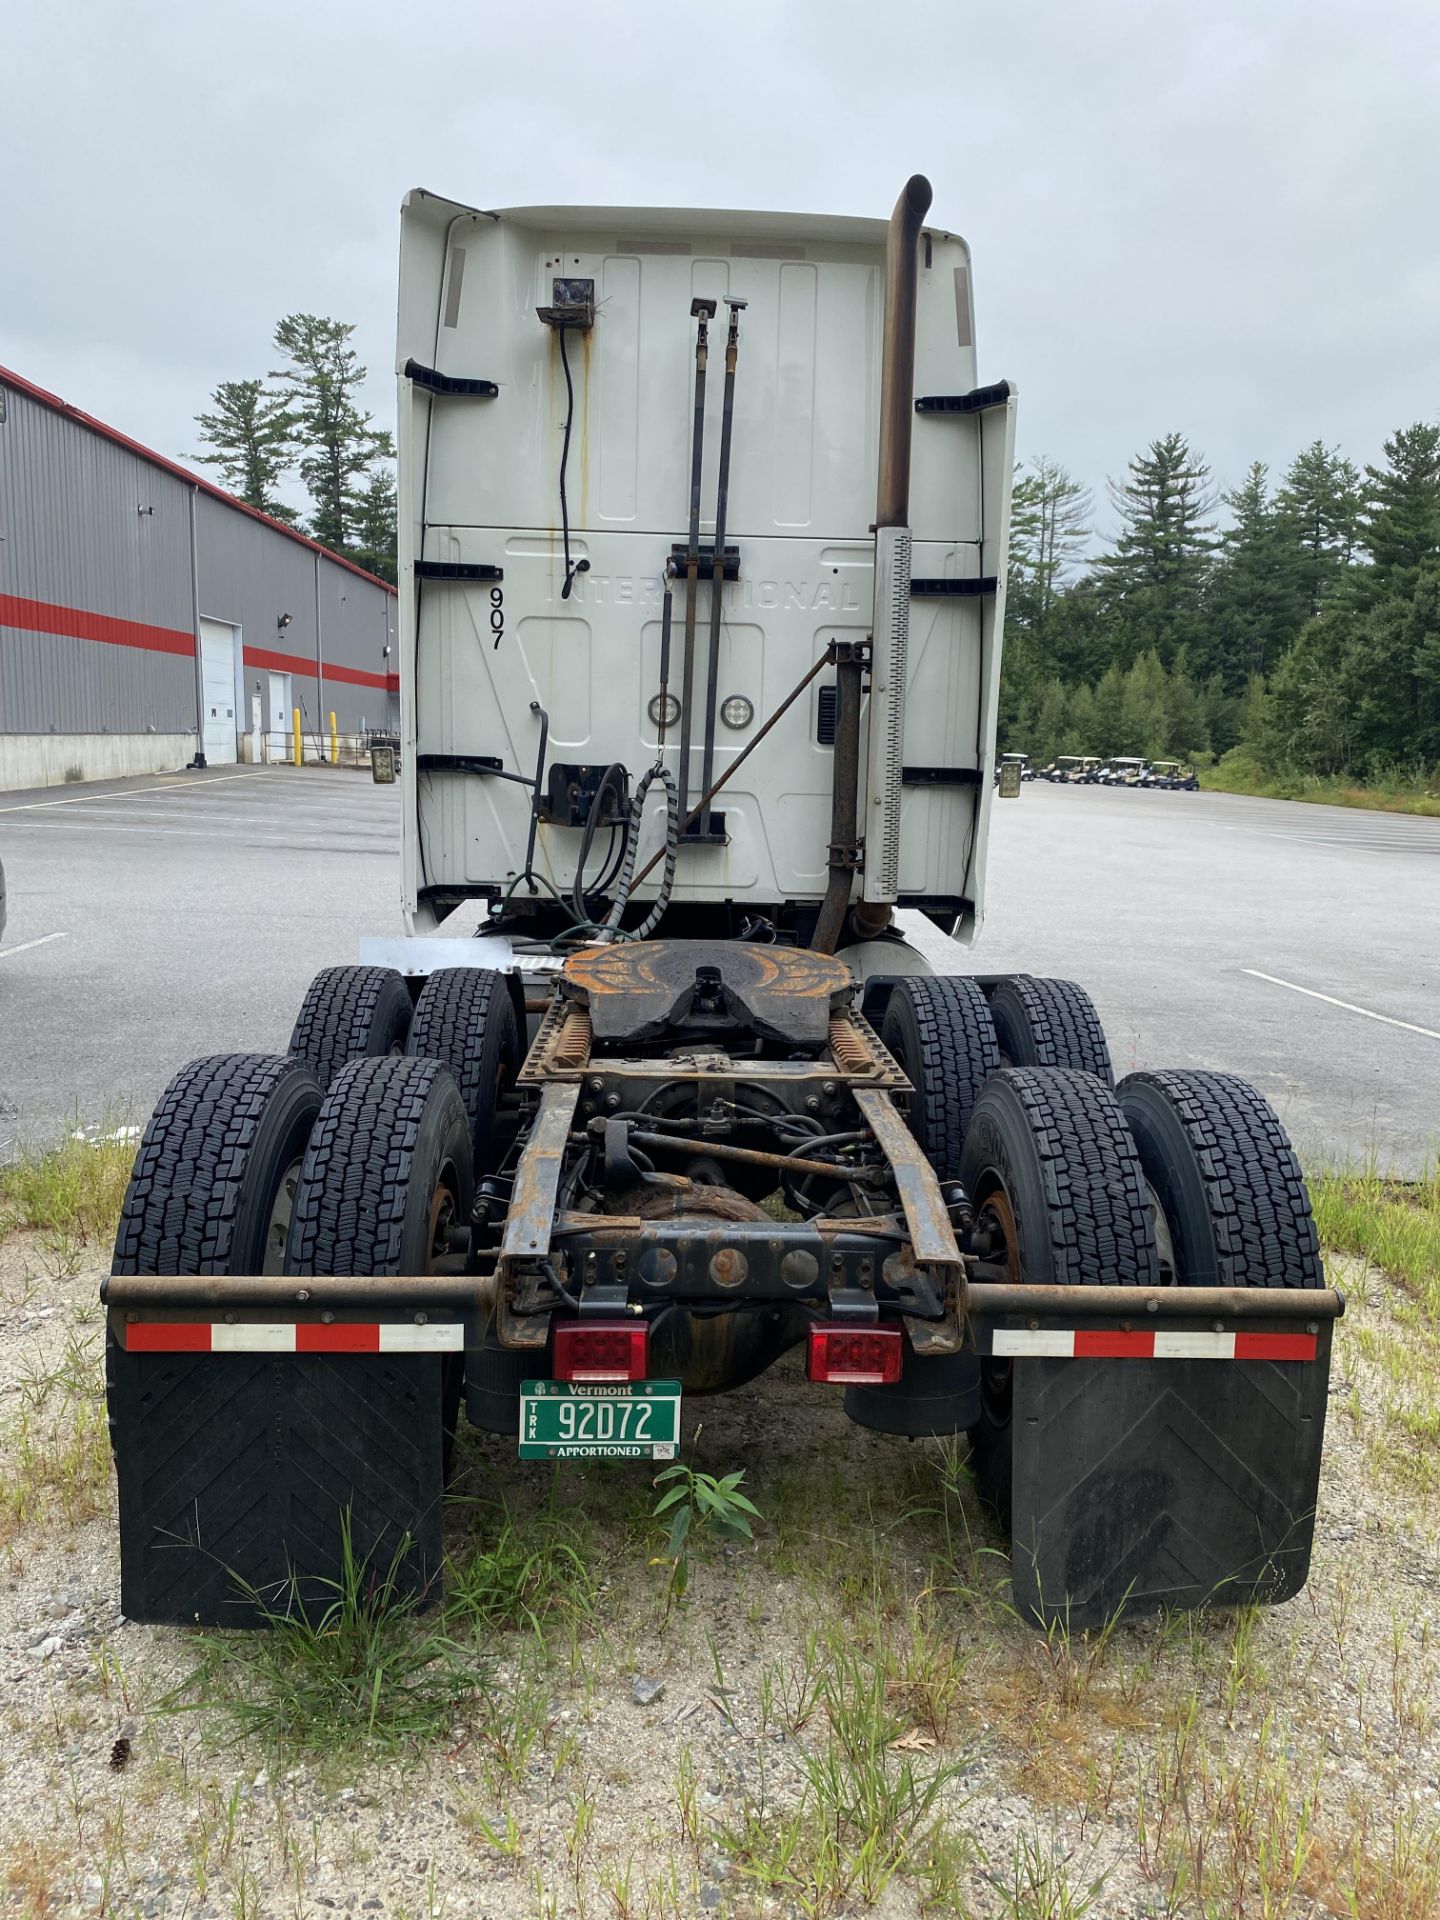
{"x":296,"y":663}
{"x":338,"y":1337}
{"x":1106,"y":1343}
{"x":168,"y":1336}
{"x":43,"y":616}
{"x":1274,"y":1346}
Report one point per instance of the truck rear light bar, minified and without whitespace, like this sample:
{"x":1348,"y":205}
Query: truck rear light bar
{"x":604,"y":1350}
{"x":848,"y":1356}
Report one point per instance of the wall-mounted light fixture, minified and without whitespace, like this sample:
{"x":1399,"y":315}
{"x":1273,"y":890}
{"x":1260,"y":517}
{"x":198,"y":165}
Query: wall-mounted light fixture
{"x":145,"y":510}
{"x":282,"y":620}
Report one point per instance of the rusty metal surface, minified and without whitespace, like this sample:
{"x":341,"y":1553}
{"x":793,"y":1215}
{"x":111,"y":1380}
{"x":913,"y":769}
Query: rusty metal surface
{"x":561,"y":1045}
{"x":859,"y":1054}
{"x":897,"y":357}
{"x":931,"y":1235}
{"x":537,"y":1178}
{"x":644,"y":989}
{"x":280,"y":1291}
{"x":757,"y":1157}
{"x":990,"y":1298}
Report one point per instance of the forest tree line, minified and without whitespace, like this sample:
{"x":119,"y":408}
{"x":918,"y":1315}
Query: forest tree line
{"x":1297,"y":620}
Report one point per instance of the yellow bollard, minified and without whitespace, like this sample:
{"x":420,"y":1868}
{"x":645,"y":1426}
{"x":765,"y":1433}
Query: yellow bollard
{"x":334,"y":744}
{"x":299,"y":744}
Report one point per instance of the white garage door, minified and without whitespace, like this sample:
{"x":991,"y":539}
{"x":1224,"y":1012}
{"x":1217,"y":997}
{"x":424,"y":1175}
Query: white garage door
{"x":217,"y":680}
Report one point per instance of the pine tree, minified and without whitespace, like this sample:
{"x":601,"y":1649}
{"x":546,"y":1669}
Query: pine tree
{"x":1401,"y":527}
{"x":1156,"y":574}
{"x":250,"y":434}
{"x":375,"y":525}
{"x":1049,"y":728}
{"x":1186,"y":729}
{"x":1049,"y":524}
{"x":1256,"y":600}
{"x":1309,"y":723}
{"x":1144,"y":715}
{"x":1318,"y":509}
{"x":1109,"y":720}
{"x":1080,"y":722}
{"x":339,"y":444}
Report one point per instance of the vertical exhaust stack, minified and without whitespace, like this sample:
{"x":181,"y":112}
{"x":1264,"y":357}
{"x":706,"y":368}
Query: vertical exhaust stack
{"x":892,"y":614}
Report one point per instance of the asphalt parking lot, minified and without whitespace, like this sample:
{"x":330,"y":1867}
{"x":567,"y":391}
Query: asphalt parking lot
{"x":154,"y":920}
{"x":1173,"y":908}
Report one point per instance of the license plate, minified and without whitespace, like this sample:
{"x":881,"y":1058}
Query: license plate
{"x":574,"y":1420}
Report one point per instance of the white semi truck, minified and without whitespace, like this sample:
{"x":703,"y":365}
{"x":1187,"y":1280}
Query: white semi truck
{"x":703,"y":524}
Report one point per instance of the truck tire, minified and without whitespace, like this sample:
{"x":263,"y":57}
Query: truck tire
{"x":465,"y":1018}
{"x":1052,"y":1169}
{"x":350,"y":1013}
{"x":1225,"y":1179}
{"x":218,"y":1166}
{"x":1049,"y":1023}
{"x":940,"y":1030}
{"x":387,"y":1172}
{"x":387,"y":1175}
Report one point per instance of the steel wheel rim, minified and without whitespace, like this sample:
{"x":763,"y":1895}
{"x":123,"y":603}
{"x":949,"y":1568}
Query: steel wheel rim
{"x":277,"y":1227}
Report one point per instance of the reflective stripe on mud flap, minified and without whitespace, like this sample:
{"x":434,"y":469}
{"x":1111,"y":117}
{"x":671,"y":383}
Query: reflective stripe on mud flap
{"x":1108,"y":1343}
{"x":254,"y":1336}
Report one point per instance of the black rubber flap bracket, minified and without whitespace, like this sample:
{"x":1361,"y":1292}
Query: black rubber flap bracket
{"x":456,"y":570}
{"x":978,"y":400}
{"x":940,"y":776}
{"x":450,"y":385}
{"x":953,"y":589}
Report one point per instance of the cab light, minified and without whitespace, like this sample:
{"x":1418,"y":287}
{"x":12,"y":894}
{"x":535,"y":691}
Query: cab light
{"x":842,"y":1356}
{"x":601,"y":1350}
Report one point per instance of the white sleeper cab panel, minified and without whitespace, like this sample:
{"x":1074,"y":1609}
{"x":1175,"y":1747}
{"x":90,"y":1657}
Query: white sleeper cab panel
{"x":480,"y":486}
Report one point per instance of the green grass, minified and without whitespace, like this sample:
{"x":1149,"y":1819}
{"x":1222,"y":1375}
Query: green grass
{"x":1239,"y":773}
{"x":1393,"y":1224}
{"x":534,"y":1574}
{"x":362,"y":1668}
{"x":71,"y":1193}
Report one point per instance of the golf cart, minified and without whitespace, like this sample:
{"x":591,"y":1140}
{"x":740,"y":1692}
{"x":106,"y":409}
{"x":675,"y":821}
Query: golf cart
{"x":1126,"y":771}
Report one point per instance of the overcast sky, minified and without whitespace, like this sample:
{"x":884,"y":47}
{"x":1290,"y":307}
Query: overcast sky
{"x":1220,"y":217}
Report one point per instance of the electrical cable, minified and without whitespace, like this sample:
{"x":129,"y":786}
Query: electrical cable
{"x":610,"y":781}
{"x":611,"y":928}
{"x":581,"y":566}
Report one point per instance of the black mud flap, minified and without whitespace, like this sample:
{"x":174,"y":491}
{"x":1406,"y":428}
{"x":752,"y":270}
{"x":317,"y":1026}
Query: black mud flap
{"x":240,"y":1473}
{"x":1144,"y":1486}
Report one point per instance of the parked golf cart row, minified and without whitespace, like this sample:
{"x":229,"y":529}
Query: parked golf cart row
{"x":1124,"y":770}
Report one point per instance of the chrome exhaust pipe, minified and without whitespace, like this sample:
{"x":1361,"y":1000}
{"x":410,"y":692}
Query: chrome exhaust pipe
{"x":892,"y":508}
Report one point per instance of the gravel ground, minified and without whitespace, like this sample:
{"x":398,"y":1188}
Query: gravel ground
{"x":1180,"y":1766}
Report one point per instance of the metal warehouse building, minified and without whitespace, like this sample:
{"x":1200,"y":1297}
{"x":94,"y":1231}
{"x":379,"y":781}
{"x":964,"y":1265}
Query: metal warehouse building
{"x":141,"y":606}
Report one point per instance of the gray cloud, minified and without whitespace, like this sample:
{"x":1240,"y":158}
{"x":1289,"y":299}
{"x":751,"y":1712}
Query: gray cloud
{"x":1220,"y":218}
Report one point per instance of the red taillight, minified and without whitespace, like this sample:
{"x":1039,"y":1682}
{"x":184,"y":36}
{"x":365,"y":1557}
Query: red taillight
{"x":601,"y":1350}
{"x":854,"y":1356}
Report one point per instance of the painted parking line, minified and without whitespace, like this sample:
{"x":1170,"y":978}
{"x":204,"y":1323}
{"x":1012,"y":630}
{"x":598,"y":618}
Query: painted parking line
{"x":136,"y":793}
{"x":1330,"y":1001}
{"x":26,"y":945}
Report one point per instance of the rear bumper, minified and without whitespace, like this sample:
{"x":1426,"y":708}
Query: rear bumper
{"x":1162,"y":1447}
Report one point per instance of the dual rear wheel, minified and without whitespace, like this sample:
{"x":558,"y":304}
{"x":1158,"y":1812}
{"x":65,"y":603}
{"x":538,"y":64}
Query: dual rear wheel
{"x":353,"y":1154}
